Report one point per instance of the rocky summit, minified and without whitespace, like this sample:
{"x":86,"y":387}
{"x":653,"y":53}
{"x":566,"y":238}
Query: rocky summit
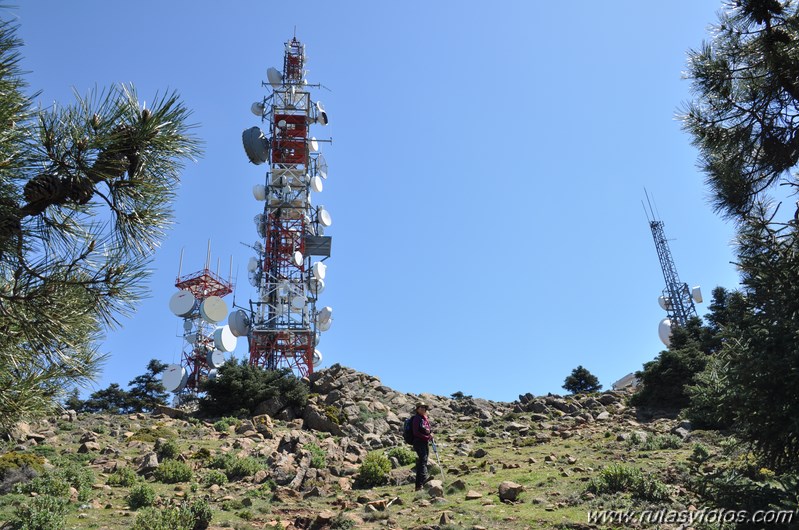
{"x":538,"y":462}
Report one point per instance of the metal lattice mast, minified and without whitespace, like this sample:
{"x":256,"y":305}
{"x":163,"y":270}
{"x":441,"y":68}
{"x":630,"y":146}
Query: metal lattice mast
{"x":677,"y":299}
{"x":283,"y":324}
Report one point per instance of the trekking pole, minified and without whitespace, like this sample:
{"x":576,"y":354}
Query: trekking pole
{"x":438,"y":460}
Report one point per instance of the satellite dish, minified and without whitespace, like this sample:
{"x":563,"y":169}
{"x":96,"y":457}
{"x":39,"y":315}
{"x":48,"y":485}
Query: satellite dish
{"x":213,"y":309}
{"x":274,"y":76}
{"x":224,"y":339}
{"x":282,"y":124}
{"x":321,"y":115}
{"x":316,"y":184}
{"x":255,"y":145}
{"x":239,"y":323}
{"x":324,"y":315}
{"x":313,"y":144}
{"x":319,"y":270}
{"x":297,"y":258}
{"x":191,"y":338}
{"x":259,"y":192}
{"x":696,"y":294}
{"x":324,"y":217}
{"x":316,"y":286}
{"x":664,"y":302}
{"x":297,"y":302}
{"x":182,"y":303}
{"x":173,"y":377}
{"x":317,"y":337}
{"x":664,"y":331}
{"x":252,"y":264}
{"x":317,"y":358}
{"x":215,"y":358}
{"x":321,"y":166}
{"x":257,"y":108}
{"x":187,"y":325}
{"x":324,"y":326}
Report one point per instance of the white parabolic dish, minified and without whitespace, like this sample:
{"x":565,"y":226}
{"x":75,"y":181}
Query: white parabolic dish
{"x":324,"y":314}
{"x":664,"y":331}
{"x":274,"y":76}
{"x":239,"y":323}
{"x":696,"y":294}
{"x":313,"y":144}
{"x":316,"y":286}
{"x":297,"y":258}
{"x":319,"y":270}
{"x":182,"y":303}
{"x":259,"y":192}
{"x":324,"y":217}
{"x":216,"y":358}
{"x":317,"y":184}
{"x":324,"y":326}
{"x":664,"y":302}
{"x":257,"y":108}
{"x":213,"y":309}
{"x":224,"y":339}
{"x":317,"y":358}
{"x":173,"y":376}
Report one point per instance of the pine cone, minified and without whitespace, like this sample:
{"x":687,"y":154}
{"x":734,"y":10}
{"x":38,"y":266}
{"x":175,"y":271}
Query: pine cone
{"x":44,"y":187}
{"x":81,"y":190}
{"x":9,"y":218}
{"x":109,"y":165}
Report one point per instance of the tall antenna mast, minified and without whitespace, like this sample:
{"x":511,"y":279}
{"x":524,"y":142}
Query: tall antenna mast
{"x":283,"y":324}
{"x":677,"y":299}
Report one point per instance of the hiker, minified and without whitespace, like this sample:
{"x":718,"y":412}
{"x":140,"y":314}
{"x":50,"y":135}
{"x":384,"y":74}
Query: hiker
{"x":421,"y":437}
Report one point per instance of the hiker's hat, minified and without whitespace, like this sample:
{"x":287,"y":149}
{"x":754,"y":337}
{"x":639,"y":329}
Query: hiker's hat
{"x":422,"y":404}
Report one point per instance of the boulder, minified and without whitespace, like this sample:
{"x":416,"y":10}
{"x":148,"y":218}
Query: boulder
{"x":509,"y":491}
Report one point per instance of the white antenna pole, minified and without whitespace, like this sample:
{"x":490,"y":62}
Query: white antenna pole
{"x":208,"y":256}
{"x":218,"y":260}
{"x":180,"y":262}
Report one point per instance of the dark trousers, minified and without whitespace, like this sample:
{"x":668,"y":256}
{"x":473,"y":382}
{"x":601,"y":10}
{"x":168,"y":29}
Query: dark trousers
{"x":422,"y":452}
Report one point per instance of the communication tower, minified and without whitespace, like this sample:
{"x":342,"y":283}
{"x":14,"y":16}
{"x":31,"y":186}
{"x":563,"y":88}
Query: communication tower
{"x":283,"y":324}
{"x":199,"y":303}
{"x":677,"y":299}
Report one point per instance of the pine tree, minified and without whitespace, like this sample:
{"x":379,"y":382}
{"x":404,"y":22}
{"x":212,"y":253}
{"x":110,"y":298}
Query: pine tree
{"x":745,"y":114}
{"x":146,"y":390}
{"x":85,"y":195}
{"x":581,"y":381}
{"x":745,"y":122}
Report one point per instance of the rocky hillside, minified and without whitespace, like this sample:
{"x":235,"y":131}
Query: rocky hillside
{"x":533,"y":463}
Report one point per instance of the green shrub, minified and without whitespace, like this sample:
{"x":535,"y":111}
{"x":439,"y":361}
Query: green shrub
{"x":41,"y":513}
{"x":620,"y":478}
{"x":56,"y":482}
{"x":152,"y":434}
{"x":404,"y":455}
{"x":374,"y":470}
{"x":364,"y":414}
{"x":140,"y":496}
{"x":166,"y":449}
{"x":164,"y":519}
{"x":172,"y":472}
{"x":318,"y":456}
{"x":215,"y":477}
{"x":202,"y":453}
{"x":240,"y":385}
{"x":480,"y":431}
{"x":236,"y":468}
{"x":123,"y":476}
{"x":201,"y":513}
{"x":334,"y":414}
{"x":225,"y":423}
{"x":700,"y":454}
{"x":15,"y":460}
{"x":341,"y":522}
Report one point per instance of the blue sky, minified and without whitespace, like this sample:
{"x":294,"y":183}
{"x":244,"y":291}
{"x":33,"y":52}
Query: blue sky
{"x":487,"y":169}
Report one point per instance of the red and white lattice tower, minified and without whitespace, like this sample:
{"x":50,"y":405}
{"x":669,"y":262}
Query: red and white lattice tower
{"x":283,"y":325}
{"x":199,"y":303}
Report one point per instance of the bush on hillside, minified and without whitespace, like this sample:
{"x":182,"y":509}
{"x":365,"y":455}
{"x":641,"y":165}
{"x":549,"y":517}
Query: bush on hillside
{"x":240,"y":386}
{"x":41,"y":513}
{"x":374,"y":470}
